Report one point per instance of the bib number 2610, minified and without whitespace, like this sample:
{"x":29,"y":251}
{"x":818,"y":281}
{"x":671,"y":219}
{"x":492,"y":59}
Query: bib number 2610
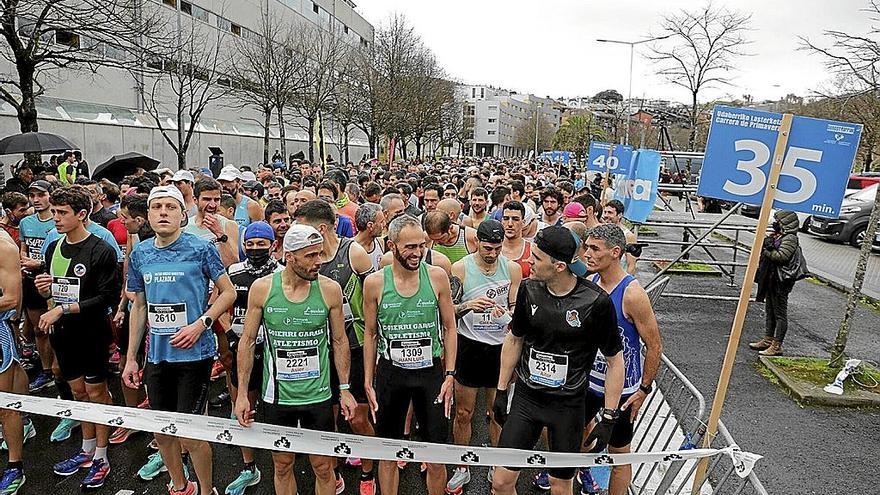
{"x":758,"y":178}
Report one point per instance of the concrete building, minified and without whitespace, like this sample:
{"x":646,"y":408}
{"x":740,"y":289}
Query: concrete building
{"x":104,"y":112}
{"x":494,"y":115}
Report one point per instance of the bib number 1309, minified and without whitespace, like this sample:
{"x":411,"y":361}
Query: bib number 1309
{"x":758,"y":178}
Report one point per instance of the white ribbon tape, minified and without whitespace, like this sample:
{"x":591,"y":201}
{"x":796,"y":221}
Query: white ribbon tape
{"x":303,"y":441}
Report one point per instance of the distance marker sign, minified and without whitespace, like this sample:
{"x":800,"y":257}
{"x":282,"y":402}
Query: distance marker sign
{"x":815,"y":170}
{"x":618,"y":163}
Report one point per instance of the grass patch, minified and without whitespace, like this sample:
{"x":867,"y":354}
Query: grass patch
{"x":816,"y":281}
{"x":817,"y":372}
{"x":686,"y":266}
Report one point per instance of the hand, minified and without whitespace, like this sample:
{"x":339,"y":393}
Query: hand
{"x":211,"y":223}
{"x":187,"y":336}
{"x":347,"y":404}
{"x":243,"y":411}
{"x":499,"y":407}
{"x":43,"y":282}
{"x":446,"y":395}
{"x":130,"y":376}
{"x":49,"y":318}
{"x":634,"y":403}
{"x":30,"y":263}
{"x":371,"y":400}
{"x":481,"y":303}
{"x":598,"y":439}
{"x":118,"y":318}
{"x":498,"y":311}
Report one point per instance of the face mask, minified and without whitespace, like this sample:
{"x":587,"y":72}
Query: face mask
{"x":257,"y":257}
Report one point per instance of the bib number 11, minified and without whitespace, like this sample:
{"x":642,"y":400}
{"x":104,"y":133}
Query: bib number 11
{"x":758,"y":178}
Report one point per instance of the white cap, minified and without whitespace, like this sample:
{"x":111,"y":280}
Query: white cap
{"x":301,"y":236}
{"x":166,"y":192}
{"x":229,"y":172}
{"x":183,"y":175}
{"x":247,"y":176}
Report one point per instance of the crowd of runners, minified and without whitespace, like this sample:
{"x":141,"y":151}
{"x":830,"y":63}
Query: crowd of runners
{"x":381,"y":299}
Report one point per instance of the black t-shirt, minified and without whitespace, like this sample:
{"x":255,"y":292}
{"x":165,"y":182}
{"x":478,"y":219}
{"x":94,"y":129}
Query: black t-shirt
{"x":561,"y":335}
{"x":92,"y":278}
{"x":102,"y":217}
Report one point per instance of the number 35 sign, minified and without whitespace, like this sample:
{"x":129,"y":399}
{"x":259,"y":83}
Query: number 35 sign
{"x":815,"y":169}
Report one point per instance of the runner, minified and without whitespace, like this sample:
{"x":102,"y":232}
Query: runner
{"x":432,"y":195}
{"x":345,"y":262}
{"x":451,"y":239}
{"x":246,"y":209}
{"x":552,"y":202}
{"x":411,"y":295}
{"x":184,"y":181}
{"x":278,"y":218}
{"x":12,"y":377}
{"x":259,"y":241}
{"x":16,"y":207}
{"x":636,"y":324}
{"x":83,"y":283}
{"x":296,"y":365}
{"x":169,"y":275}
{"x":209,"y":225}
{"x":489,"y":283}
{"x":515,"y":247}
{"x":613,"y":214}
{"x":370,"y":222}
{"x":560,"y":321}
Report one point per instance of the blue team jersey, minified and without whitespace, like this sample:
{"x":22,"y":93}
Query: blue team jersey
{"x":175,"y":281}
{"x":92,"y":228}
{"x":32,"y":232}
{"x":241,"y":211}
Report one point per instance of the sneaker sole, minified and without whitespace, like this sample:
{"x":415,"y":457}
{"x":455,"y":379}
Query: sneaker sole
{"x":121,"y":439}
{"x":23,"y":479}
{"x":41,"y":387}
{"x":89,"y":488}
{"x":72,"y":472}
{"x":162,"y":470}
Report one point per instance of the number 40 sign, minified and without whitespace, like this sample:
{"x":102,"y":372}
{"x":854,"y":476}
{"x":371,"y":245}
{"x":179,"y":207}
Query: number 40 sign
{"x":815,"y":168}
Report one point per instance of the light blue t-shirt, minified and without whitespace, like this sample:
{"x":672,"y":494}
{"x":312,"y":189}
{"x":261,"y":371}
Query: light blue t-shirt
{"x":175,"y":281}
{"x":92,"y":228}
{"x":241,"y":211}
{"x":32,"y":231}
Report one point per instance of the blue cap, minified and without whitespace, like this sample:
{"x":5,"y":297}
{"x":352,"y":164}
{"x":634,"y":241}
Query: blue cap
{"x":259,"y":230}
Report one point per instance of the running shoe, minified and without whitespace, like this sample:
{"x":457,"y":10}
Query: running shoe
{"x":490,"y":474}
{"x":217,"y":371}
{"x":340,"y":484}
{"x":28,"y":351}
{"x":153,"y":445}
{"x":246,"y":478}
{"x":11,"y":482}
{"x":542,"y":480}
{"x":589,"y":486}
{"x":219,"y":401}
{"x":367,"y":487}
{"x":97,"y":475}
{"x":423,"y":468}
{"x":461,"y":476}
{"x":401,"y":465}
{"x":30,"y":431}
{"x":152,"y":468}
{"x":189,"y":489}
{"x":41,"y":381}
{"x":62,"y":431}
{"x":120,"y":435}
{"x":70,"y":466}
{"x":114,"y":358}
{"x":353,"y":461}
{"x":145,"y":404}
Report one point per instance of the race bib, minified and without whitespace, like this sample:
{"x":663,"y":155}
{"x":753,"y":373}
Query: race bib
{"x":346,"y":311}
{"x":411,"y":354}
{"x":238,"y":313}
{"x":166,"y":319}
{"x":298,"y":364}
{"x":482,"y":321}
{"x":34,"y":248}
{"x":65,"y":290}
{"x":547,"y":369}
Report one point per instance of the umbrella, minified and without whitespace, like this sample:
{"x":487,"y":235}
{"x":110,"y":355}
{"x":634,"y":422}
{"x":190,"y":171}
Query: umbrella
{"x":35,"y":142}
{"x":118,"y":166}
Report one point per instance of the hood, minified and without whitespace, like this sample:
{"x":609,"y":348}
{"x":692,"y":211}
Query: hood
{"x":788,"y":220}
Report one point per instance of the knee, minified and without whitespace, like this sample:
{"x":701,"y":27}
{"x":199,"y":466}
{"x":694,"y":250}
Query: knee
{"x":80,"y":394}
{"x":283,"y":465}
{"x":503,"y":481}
{"x":323,"y":469}
{"x":463,"y":413}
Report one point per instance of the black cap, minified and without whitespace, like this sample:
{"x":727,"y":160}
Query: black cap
{"x":560,"y":244}
{"x":490,"y":230}
{"x":40,"y":185}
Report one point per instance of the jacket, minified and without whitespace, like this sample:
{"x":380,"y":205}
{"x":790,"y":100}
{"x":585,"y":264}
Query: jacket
{"x":775,"y":252}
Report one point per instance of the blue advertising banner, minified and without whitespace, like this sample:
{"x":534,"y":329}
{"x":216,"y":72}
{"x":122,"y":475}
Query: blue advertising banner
{"x":815,"y":169}
{"x":638,"y":189}
{"x":618,"y":163}
{"x":556,"y":156}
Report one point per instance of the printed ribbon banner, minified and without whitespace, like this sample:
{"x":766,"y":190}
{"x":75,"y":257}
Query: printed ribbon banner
{"x":299,"y":440}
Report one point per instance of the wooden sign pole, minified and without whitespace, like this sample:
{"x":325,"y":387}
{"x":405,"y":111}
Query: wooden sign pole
{"x":606,"y":177}
{"x":744,"y":295}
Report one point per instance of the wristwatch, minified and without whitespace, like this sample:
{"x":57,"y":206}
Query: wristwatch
{"x":222,"y":238}
{"x":449,"y":373}
{"x":646,"y":388}
{"x":65,"y":309}
{"x":207,"y":320}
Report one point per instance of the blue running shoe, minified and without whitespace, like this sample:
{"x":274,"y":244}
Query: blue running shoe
{"x":62,"y":431}
{"x":41,"y":381}
{"x":11,"y":482}
{"x":97,"y":474}
{"x":29,"y":432}
{"x":70,"y":466}
{"x":542,"y":480}
{"x":152,"y":468}
{"x":246,"y":478}
{"x":589,"y":486}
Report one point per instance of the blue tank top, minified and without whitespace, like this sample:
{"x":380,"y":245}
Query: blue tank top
{"x":241,"y":211}
{"x":32,"y":232}
{"x":632,"y":347}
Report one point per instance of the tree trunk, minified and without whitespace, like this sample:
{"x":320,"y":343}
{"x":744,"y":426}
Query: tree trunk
{"x":401,"y":143}
{"x":267,"y":119}
{"x":345,"y":133}
{"x":27,"y":113}
{"x":838,"y":350}
{"x":418,"y":141}
{"x":311,"y":139}
{"x":282,"y":134}
{"x":692,"y":136}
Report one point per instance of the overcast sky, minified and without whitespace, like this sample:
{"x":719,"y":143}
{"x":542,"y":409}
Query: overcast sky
{"x":548,"y":47}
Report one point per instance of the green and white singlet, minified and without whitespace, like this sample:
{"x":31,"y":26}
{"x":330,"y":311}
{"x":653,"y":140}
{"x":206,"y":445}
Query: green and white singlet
{"x":409,"y":327}
{"x":296,"y":365}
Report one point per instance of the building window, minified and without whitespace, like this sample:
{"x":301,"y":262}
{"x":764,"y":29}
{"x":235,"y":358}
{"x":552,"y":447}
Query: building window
{"x":492,"y":121}
{"x":170,"y":3}
{"x":224,"y":24}
{"x":491,"y":133}
{"x":186,"y":8}
{"x":67,"y":38}
{"x":493,"y":107}
{"x":345,"y":29}
{"x":315,"y":8}
{"x":236,"y":29}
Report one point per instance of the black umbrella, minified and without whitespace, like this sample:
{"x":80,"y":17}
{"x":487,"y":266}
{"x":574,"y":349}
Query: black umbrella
{"x":35,"y":142}
{"x":118,"y":166}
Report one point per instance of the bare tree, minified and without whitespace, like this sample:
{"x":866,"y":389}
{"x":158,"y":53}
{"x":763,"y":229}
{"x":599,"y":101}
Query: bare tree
{"x":698,"y":50}
{"x":855,"y":57}
{"x":187,"y":84}
{"x":524,"y":135}
{"x":42,"y":37}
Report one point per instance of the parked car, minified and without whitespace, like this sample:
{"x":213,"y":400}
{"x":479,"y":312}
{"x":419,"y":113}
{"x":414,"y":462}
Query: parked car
{"x":755,"y":211}
{"x":857,"y":182}
{"x":852,"y":223}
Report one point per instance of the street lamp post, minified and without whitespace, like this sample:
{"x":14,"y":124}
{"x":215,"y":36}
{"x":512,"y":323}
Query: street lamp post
{"x":632,"y":45}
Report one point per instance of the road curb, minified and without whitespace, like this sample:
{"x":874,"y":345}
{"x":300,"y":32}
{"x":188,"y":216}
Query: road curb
{"x":814,"y":395}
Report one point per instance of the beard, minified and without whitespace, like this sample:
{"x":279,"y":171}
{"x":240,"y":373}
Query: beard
{"x":404,"y":261}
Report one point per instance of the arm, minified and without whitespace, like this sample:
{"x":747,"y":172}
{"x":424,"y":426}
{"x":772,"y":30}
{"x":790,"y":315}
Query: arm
{"x":515,"y":278}
{"x":440,"y":260}
{"x":10,"y":274}
{"x":252,"y":319}
{"x":229,"y":250}
{"x":372,"y":292}
{"x":187,"y":336}
{"x":637,"y":307}
{"x":254,"y":211}
{"x":614,"y":380}
{"x":360,"y":260}
{"x":630,"y":259}
{"x":510,"y":352}
{"x":470,"y":237}
{"x":332,"y":293}
{"x":440,"y":281}
{"x":786,"y":250}
{"x":137,"y":324}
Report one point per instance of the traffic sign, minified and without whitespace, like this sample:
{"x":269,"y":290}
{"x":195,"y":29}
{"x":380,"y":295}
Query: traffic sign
{"x":618,"y":163}
{"x":815,"y":168}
